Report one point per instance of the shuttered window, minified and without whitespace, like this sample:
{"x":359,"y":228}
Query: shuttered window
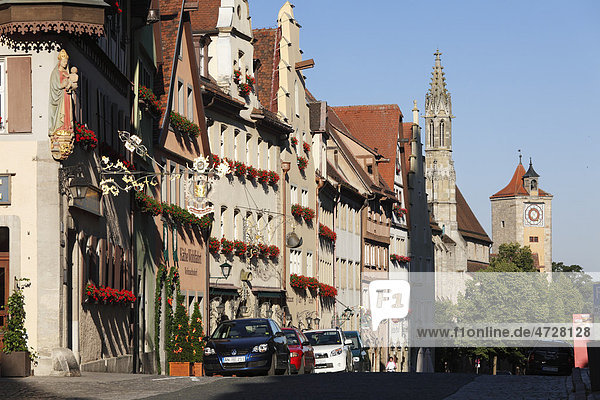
{"x":18,"y":80}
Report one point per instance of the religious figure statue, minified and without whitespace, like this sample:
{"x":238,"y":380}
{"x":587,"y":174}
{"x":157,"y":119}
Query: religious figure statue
{"x":60,"y":113}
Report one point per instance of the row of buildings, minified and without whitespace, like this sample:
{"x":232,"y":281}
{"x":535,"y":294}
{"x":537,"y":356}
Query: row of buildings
{"x":212,"y":164}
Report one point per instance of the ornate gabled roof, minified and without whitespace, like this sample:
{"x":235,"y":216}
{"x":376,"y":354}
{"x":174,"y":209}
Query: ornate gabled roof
{"x":515,"y":186}
{"x":438,"y":96}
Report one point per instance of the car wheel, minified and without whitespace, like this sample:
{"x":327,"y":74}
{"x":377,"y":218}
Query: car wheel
{"x":302,"y":369}
{"x":271,"y":371}
{"x":285,"y":371}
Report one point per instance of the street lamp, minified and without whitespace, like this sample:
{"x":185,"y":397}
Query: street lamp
{"x":317,"y":320}
{"x":225,"y":269}
{"x":308,"y":321}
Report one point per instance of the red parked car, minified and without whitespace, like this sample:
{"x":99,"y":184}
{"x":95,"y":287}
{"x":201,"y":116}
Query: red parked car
{"x":302,"y":357}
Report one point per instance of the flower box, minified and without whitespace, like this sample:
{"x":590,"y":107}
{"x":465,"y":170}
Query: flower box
{"x":327,"y":290}
{"x":240,"y":248}
{"x":273,"y":251}
{"x":297,"y":211}
{"x":294,"y":141}
{"x":180,"y":369}
{"x":184,"y":125}
{"x":149,"y":102}
{"x":263,"y":176}
{"x":214,"y":245}
{"x":298,"y":281}
{"x":226,"y":246}
{"x":197,"y":369}
{"x":306,"y":147}
{"x":244,"y":89}
{"x":302,"y":163}
{"x":273,"y":178}
{"x":85,"y":137}
{"x":327,"y":234}
{"x":312,"y":283}
{"x":16,"y":363}
{"x":308,"y":214}
{"x":251,"y":172}
{"x":236,"y":76}
{"x":399,"y":259}
{"x":239,"y":168}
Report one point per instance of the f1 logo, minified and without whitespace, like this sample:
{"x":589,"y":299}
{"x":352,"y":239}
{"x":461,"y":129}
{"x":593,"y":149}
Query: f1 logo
{"x":388,"y":299}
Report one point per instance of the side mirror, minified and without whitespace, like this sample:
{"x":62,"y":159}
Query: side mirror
{"x":306,"y":343}
{"x":279,"y":334}
{"x":348,"y":341}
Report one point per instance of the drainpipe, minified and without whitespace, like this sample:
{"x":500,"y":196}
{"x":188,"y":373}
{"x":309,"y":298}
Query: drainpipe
{"x":285,"y":167}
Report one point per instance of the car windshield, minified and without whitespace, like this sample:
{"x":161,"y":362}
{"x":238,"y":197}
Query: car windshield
{"x":323,"y":338}
{"x":241,"y":329}
{"x":291,"y":337}
{"x":354,"y":337}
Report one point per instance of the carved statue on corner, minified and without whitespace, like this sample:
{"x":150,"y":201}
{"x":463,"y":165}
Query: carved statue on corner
{"x":60,"y":113}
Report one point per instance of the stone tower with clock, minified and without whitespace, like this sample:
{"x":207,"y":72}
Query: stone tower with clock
{"x":522,"y":213}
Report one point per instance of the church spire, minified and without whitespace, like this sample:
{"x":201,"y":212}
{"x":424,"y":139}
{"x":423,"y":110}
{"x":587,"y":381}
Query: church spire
{"x":438,"y":97}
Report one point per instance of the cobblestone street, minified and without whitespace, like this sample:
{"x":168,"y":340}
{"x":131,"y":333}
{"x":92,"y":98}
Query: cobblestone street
{"x":328,"y":386}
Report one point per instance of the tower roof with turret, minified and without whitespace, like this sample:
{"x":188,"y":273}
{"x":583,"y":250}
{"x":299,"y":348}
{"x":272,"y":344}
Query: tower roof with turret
{"x":515,"y":186}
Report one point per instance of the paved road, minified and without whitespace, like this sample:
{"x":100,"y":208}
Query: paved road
{"x":320,"y":387}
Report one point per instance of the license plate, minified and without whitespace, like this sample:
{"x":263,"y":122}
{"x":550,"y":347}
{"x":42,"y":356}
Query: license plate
{"x":550,"y":369}
{"x":236,"y":359}
{"x":320,"y":365}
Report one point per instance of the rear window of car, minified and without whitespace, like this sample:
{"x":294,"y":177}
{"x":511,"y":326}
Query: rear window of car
{"x":291,"y":337}
{"x":241,"y":329}
{"x":323,"y":338}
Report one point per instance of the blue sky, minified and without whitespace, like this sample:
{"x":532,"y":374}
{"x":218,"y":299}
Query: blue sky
{"x":522,"y":74}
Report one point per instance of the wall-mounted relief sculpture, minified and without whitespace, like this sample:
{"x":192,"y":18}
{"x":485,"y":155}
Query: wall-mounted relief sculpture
{"x":63,"y":83}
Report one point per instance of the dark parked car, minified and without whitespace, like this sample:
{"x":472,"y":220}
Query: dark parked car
{"x":360,"y":356}
{"x":555,"y":358}
{"x":250,"y":345}
{"x":302,"y":356}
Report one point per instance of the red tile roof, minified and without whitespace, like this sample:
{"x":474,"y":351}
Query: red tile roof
{"x":205,"y":18}
{"x":267,"y":76}
{"x":515,"y":186}
{"x":468,"y":225}
{"x":378,"y":126}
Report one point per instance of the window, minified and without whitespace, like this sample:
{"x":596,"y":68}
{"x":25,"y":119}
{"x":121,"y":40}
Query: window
{"x":181,"y":201}
{"x":295,"y":262}
{"x":222,"y":140}
{"x":2,"y":98}
{"x":180,"y":98}
{"x":190,"y":103}
{"x":223,"y":217}
{"x":259,"y":153}
{"x":297,"y":99}
{"x":309,"y":264}
{"x":304,"y":198}
{"x":533,"y":239}
{"x":173,"y":186}
{"x":370,"y":169}
{"x":442,"y":133}
{"x":237,"y":226}
{"x":293,"y":194}
{"x":248,"y":154}
{"x":431,"y":133}
{"x":502,"y":224}
{"x":236,"y":137}
{"x":269,"y":159}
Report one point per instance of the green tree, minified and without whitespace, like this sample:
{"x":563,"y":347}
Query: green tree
{"x":197,"y":334}
{"x":560,"y":267}
{"x":512,"y":258}
{"x":181,"y":348}
{"x":15,"y":336}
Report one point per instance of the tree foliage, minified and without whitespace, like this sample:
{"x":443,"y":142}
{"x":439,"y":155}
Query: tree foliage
{"x":512,"y":257}
{"x":181,"y":347}
{"x":197,"y":334}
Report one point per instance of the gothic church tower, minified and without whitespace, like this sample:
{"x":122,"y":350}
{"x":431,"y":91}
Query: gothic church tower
{"x":439,"y":166}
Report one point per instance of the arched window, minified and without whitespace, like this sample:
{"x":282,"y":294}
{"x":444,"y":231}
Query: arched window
{"x":431,"y":134}
{"x":442,"y":133}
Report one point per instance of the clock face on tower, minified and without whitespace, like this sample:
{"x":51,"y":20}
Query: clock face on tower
{"x":534,"y":215}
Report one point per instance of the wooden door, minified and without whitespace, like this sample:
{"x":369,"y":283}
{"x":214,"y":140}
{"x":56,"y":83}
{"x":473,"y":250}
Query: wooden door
{"x":4,"y":292}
